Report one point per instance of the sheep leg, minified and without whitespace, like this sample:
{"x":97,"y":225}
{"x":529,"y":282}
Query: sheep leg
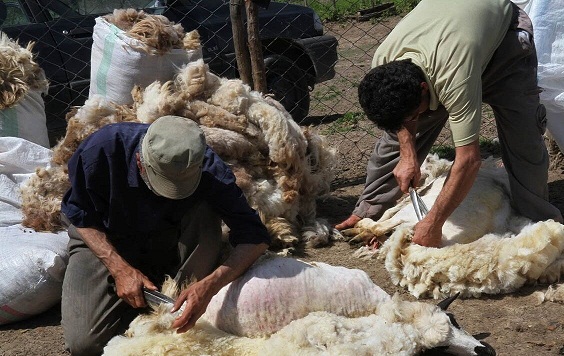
{"x":371,"y":232}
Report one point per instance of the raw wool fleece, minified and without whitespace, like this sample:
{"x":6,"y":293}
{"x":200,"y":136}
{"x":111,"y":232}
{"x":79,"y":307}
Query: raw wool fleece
{"x":43,"y":192}
{"x":20,"y":73}
{"x":284,"y":306}
{"x":157,"y":32}
{"x":41,"y":198}
{"x":487,"y":248}
{"x":281,"y":167}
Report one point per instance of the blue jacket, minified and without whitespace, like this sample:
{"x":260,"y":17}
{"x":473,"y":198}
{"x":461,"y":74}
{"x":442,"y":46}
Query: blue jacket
{"x":108,"y":193}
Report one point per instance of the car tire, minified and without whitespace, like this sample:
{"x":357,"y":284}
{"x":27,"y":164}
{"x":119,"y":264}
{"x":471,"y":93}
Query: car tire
{"x":288,"y":84}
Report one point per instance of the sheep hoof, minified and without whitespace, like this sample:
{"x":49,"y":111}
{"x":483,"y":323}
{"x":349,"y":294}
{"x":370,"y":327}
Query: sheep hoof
{"x":357,"y":235}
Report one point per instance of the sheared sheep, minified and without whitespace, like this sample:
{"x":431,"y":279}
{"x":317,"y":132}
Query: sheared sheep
{"x":487,"y":248}
{"x":284,"y":306}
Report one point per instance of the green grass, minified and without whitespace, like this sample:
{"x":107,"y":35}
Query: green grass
{"x":346,"y":123}
{"x":488,"y":147}
{"x":338,"y":10}
{"x":443,"y":151}
{"x":326,"y":93}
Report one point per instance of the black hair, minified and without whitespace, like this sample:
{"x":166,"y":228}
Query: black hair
{"x":391,"y":92}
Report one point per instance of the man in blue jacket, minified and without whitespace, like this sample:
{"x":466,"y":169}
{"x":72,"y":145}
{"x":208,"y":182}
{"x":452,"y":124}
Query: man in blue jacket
{"x":147,"y":201}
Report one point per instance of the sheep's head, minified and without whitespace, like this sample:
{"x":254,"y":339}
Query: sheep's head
{"x":458,"y":341}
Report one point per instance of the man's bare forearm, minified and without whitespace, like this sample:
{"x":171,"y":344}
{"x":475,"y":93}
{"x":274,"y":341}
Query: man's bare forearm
{"x":101,"y":247}
{"x":406,"y":139}
{"x":198,"y":295}
{"x":128,"y":279}
{"x":407,"y":171}
{"x":458,"y":183}
{"x":240,"y":259}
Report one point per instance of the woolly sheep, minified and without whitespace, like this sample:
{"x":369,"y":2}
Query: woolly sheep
{"x":284,"y":306}
{"x":487,"y":248}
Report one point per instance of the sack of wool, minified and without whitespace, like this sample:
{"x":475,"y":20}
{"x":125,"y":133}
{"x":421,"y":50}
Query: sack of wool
{"x":18,"y":160}
{"x":22,"y":82}
{"x":120,"y":62}
{"x":26,"y":119}
{"x":32,"y":266}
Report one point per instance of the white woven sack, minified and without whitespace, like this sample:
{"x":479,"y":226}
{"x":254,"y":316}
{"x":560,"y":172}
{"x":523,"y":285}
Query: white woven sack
{"x":18,"y":160}
{"x":120,"y":62}
{"x":32,"y":267}
{"x":548,"y":23}
{"x":26,"y":119}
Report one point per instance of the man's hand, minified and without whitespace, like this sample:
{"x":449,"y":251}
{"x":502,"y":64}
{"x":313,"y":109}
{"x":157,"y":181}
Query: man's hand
{"x":406,"y":172}
{"x":129,"y":286}
{"x":199,"y":294}
{"x":197,"y":297}
{"x":128,"y":280}
{"x":427,"y":234}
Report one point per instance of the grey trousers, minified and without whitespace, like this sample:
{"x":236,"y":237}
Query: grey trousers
{"x":509,"y":86}
{"x":92,"y":313}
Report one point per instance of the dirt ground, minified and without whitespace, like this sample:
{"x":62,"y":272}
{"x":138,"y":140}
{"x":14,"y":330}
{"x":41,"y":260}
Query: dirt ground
{"x":513,"y":324}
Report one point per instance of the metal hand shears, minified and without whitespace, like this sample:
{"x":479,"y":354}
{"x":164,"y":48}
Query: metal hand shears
{"x":418,"y":204}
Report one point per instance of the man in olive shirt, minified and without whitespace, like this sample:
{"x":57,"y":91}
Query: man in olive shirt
{"x":440,"y":63}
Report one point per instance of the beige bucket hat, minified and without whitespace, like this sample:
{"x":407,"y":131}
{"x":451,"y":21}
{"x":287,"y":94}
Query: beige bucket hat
{"x":173,"y":151}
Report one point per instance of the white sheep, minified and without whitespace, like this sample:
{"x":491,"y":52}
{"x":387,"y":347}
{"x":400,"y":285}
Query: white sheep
{"x":487,"y":247}
{"x":284,"y":306}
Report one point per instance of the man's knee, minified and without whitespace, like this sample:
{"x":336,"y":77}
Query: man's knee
{"x":84,"y":343}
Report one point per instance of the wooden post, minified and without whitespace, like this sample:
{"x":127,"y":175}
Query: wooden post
{"x":255,"y":48}
{"x":240,"y":41}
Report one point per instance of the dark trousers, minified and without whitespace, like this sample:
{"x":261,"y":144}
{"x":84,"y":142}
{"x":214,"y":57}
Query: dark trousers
{"x":92,"y":313}
{"x":509,"y":86}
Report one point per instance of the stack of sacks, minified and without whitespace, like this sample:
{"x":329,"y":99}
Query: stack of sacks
{"x":32,"y":264}
{"x":281,"y":167}
{"x":487,"y":247}
{"x":132,"y":47}
{"x":22,"y":83}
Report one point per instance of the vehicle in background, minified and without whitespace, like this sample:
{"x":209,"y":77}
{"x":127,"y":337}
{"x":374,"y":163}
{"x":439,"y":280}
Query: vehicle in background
{"x":297,"y":53}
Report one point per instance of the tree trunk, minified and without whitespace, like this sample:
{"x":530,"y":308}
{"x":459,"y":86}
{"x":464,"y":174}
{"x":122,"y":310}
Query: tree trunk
{"x":255,"y":48}
{"x":240,"y":42}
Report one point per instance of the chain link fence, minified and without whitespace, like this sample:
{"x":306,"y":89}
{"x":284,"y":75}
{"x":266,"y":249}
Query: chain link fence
{"x":314,"y":60}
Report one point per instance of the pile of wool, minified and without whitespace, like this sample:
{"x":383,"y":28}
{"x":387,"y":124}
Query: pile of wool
{"x":41,"y":198}
{"x":554,"y":293}
{"x":281,"y":167}
{"x":43,"y":192}
{"x":487,"y":247}
{"x":284,"y":306}
{"x":20,"y":73}
{"x":157,"y":32}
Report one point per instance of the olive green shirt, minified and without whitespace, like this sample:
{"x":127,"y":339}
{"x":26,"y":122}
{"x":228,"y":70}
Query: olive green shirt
{"x":452,"y":41}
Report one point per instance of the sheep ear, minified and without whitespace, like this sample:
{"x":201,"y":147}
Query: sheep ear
{"x":444,"y":304}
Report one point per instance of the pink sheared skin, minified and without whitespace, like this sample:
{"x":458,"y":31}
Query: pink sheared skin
{"x":278,"y":290}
